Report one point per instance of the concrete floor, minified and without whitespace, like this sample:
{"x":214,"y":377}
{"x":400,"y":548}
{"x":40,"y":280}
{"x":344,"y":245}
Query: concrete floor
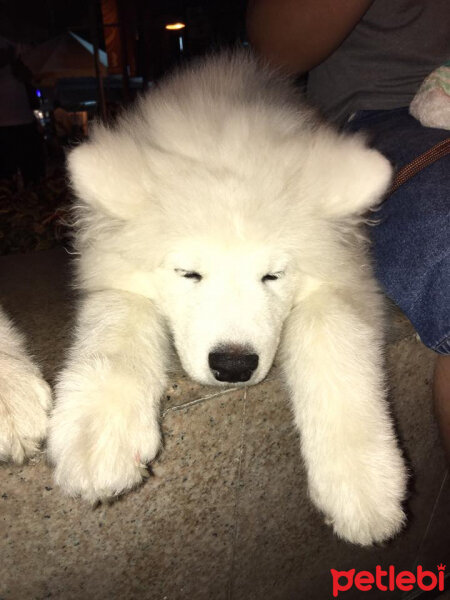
{"x":226,"y":514}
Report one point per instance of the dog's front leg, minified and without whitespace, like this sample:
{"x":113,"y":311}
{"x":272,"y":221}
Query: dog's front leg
{"x":25,"y":397}
{"x":105,"y":424}
{"x":333,"y":359}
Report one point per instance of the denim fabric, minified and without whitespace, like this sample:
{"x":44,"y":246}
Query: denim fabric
{"x":411,"y":242}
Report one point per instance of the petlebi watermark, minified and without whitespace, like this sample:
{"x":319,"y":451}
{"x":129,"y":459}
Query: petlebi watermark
{"x":388,"y":579}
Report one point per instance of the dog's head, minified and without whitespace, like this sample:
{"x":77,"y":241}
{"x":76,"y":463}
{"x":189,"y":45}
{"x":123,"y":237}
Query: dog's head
{"x":225,"y":226}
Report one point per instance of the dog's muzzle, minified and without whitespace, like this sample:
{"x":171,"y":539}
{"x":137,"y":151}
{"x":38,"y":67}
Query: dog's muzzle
{"x":232,"y":366}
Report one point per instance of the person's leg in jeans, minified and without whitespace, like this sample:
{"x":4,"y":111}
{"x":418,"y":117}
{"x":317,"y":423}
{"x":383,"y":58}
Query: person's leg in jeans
{"x":411,"y":242}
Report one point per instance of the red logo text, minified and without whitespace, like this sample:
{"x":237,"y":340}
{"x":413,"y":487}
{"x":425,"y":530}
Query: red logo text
{"x":388,"y":580}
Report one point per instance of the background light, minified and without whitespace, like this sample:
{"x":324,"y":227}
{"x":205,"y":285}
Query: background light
{"x":173,"y":26}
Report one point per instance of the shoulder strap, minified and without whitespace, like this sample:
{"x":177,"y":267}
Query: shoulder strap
{"x":420,"y":162}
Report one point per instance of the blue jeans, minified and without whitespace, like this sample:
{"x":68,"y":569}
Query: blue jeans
{"x":411,"y":243}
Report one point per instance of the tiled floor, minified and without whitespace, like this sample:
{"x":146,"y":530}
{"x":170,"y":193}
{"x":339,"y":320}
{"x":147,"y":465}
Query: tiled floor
{"x":226,"y":514}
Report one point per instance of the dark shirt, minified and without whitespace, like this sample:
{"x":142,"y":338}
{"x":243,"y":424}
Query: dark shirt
{"x":383,"y":61}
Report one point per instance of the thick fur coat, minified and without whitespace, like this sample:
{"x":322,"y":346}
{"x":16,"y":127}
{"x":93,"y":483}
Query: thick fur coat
{"x":221,"y":215}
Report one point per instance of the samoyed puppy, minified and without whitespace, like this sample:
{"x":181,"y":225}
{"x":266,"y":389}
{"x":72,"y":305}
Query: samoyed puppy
{"x":24,"y":397}
{"x":221,"y":214}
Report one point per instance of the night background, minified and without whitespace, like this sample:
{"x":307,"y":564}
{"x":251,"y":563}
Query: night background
{"x":89,"y":58}
{"x":132,"y":33}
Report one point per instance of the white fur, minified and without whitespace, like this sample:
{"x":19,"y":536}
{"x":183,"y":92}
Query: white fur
{"x":24,"y":397}
{"x":223,"y":171}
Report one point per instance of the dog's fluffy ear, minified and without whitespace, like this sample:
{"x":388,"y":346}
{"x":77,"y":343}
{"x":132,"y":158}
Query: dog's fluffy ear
{"x":353,"y":176}
{"x":108,"y":173}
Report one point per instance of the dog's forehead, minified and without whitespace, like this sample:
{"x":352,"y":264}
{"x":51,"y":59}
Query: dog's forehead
{"x":225,"y":253}
{"x":245,"y":171}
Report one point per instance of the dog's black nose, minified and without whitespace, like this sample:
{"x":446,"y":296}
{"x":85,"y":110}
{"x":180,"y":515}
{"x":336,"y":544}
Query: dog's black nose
{"x":232,"y":366}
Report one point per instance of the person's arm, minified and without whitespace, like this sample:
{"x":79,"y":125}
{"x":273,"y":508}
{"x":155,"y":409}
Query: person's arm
{"x":297,"y":35}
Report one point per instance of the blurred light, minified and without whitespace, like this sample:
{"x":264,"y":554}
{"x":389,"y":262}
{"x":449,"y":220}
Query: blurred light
{"x":38,"y":93}
{"x":180,"y":42}
{"x":174,"y":26}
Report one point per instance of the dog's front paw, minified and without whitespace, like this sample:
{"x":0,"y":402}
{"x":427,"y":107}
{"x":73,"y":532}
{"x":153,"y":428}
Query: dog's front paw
{"x":364,"y":521}
{"x":25,"y":400}
{"x":364,"y":503}
{"x":102,"y":434}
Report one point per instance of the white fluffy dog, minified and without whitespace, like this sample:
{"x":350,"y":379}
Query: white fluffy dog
{"x":222,"y":214}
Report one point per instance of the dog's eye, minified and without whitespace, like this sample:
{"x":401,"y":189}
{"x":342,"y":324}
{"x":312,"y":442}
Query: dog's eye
{"x":193,"y":275}
{"x":272,"y":276}
{"x":189,"y":274}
